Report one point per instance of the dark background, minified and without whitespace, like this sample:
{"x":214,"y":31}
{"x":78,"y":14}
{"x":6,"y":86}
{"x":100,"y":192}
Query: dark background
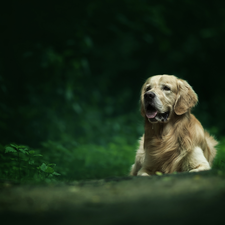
{"x":71,"y":71}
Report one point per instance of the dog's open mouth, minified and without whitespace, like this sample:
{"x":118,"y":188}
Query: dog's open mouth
{"x":153,"y":115}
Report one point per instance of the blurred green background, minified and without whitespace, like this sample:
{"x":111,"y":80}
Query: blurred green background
{"x":71,"y":74}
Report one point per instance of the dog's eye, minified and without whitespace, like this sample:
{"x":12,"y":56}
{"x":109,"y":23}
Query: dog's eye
{"x":166,"y":88}
{"x":148,"y":88}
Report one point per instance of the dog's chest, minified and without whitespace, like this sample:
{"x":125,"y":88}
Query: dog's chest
{"x":163,"y":155}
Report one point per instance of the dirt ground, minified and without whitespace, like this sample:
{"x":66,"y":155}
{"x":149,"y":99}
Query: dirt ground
{"x":185,"y":198}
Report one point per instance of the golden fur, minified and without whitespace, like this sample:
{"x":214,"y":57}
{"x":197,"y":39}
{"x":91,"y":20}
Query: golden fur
{"x":179,"y":143}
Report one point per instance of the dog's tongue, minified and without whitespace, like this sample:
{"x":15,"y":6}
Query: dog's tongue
{"x":151,"y":114}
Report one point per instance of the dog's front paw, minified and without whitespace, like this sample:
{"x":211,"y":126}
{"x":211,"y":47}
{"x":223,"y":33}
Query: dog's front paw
{"x":194,"y":170}
{"x":142,"y":172}
{"x":200,"y":168}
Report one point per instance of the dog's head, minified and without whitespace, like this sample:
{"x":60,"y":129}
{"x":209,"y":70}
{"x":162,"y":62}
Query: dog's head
{"x":164,"y":95}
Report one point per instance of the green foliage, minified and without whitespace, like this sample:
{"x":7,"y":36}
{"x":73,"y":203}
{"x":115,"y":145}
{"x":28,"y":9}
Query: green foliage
{"x":20,"y":164}
{"x":219,"y":162}
{"x":90,"y":161}
{"x":75,"y":161}
{"x":88,"y":69}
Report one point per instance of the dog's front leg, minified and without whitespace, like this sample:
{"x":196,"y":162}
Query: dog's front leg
{"x":197,"y":161}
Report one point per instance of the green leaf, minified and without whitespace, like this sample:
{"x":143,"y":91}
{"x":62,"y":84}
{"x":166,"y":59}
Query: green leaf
{"x":52,"y":164}
{"x":32,"y":152}
{"x":57,"y":174}
{"x":31,"y":162}
{"x":23,"y":151}
{"x":49,"y":170}
{"x":159,"y":173}
{"x":38,"y":155}
{"x":43,"y":167}
{"x":9,"y":149}
{"x":23,"y":147}
{"x":14,"y":145}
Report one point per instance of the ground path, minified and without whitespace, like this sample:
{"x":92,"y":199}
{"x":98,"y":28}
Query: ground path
{"x":186,"y":198}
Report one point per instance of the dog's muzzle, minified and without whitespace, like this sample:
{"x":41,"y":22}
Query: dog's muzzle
{"x":152,"y":113}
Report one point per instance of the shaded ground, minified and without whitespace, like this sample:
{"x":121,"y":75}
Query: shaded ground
{"x":188,"y":198}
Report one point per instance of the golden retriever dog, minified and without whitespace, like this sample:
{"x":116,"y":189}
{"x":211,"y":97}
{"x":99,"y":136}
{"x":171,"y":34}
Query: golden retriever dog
{"x":174,"y":140}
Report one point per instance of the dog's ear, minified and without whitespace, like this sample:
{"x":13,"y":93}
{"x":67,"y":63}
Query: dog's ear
{"x":186,"y":98}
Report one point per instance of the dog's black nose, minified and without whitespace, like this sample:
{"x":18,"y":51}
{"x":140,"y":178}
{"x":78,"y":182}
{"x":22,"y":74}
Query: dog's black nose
{"x":150,"y":95}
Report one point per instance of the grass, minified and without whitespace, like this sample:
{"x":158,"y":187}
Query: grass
{"x":219,"y":161}
{"x":59,"y":161}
